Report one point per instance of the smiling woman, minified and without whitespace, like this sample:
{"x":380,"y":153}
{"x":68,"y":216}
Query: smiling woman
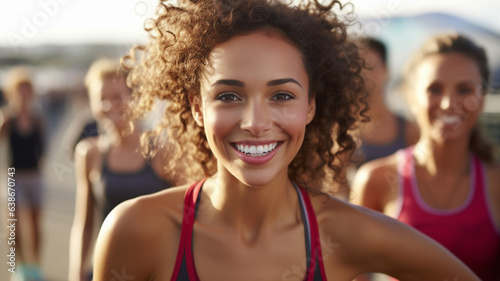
{"x":254,"y":80}
{"x":259,"y":93}
{"x":447,"y":184}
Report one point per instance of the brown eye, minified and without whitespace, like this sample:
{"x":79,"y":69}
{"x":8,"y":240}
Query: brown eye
{"x":434,"y":89}
{"x":283,"y":96}
{"x":465,"y":90}
{"x":228,"y":97}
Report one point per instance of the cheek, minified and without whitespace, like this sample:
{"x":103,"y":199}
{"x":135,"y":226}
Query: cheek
{"x":473,"y":104}
{"x":292,"y":120}
{"x":219,"y":122}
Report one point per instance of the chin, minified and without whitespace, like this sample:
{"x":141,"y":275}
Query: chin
{"x":256,"y":179}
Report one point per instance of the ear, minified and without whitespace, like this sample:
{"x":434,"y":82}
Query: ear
{"x":196,"y":110}
{"x":312,"y":110}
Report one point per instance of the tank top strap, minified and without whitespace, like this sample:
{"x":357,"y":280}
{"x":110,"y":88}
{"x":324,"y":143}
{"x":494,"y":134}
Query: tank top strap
{"x":104,"y":148}
{"x":479,"y":180}
{"x":315,"y":269}
{"x":185,"y":252}
{"x":406,"y":166}
{"x":401,"y":125}
{"x":405,"y":171}
{"x":481,"y":190}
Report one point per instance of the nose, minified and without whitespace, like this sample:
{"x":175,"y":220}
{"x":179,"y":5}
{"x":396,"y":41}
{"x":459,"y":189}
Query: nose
{"x":256,"y":118}
{"x":445,"y":102}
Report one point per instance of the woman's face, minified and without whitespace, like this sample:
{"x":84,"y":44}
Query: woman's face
{"x":447,"y":96}
{"x":376,"y":75}
{"x":23,"y":95}
{"x":254,"y":106}
{"x":110,"y":100}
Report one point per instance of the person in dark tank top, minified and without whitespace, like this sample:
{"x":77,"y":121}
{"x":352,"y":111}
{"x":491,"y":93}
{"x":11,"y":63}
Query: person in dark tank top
{"x":110,"y":168}
{"x":23,"y":127}
{"x":386,"y":132}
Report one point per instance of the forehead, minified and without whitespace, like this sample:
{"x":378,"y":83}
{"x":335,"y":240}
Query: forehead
{"x":107,"y":86}
{"x":257,"y":53}
{"x":450,"y":66}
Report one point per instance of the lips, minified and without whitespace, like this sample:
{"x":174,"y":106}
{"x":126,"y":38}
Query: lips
{"x":254,"y":153}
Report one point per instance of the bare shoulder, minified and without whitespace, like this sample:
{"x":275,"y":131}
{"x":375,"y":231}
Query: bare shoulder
{"x":88,"y":147}
{"x":5,"y":117}
{"x":164,"y":207}
{"x":146,"y":228}
{"x":354,"y":227}
{"x":358,"y":240}
{"x":376,"y":182}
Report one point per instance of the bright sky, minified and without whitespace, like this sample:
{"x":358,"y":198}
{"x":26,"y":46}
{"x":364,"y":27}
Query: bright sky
{"x":34,"y":22}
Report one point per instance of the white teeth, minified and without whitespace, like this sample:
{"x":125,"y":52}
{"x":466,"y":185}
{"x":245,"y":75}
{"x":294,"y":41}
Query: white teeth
{"x":450,"y":119}
{"x":259,"y":150}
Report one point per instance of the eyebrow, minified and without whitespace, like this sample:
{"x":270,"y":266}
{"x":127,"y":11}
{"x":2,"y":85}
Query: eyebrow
{"x":283,"y":81}
{"x":237,"y":83}
{"x":229,"y":82}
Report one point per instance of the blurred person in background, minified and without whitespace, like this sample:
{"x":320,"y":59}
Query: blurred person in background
{"x":109,"y":168}
{"x":386,"y":132}
{"x":23,"y":128}
{"x":448,"y":184}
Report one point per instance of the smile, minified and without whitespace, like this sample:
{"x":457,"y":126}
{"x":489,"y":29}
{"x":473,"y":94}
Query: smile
{"x":256,"y":150}
{"x":450,"y":119}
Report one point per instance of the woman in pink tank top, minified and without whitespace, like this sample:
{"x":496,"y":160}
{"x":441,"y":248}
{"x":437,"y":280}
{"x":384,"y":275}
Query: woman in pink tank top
{"x":259,"y":93}
{"x":448,"y":185}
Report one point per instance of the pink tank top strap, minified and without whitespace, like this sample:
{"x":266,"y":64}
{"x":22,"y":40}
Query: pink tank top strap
{"x":482,"y":190}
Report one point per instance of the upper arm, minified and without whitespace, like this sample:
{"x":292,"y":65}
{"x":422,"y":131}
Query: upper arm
{"x":396,"y":249}
{"x":371,"y":184}
{"x":86,"y":153}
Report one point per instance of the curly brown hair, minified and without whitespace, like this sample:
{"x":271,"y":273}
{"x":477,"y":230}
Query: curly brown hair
{"x":169,"y":68}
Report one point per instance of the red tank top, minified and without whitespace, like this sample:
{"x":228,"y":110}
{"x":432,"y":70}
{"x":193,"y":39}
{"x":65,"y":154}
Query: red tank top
{"x":468,"y":231}
{"x":185,"y":270}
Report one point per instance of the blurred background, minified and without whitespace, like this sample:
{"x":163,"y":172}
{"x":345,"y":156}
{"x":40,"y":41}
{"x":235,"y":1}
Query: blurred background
{"x":59,"y":39}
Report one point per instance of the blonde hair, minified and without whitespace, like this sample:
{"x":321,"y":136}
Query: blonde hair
{"x":15,"y":77}
{"x":101,"y":69}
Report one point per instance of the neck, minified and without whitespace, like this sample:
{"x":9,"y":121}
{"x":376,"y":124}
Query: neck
{"x":377,"y":104}
{"x":442,"y":158}
{"x":21,"y":110}
{"x":253,"y":209}
{"x":124,"y":139}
